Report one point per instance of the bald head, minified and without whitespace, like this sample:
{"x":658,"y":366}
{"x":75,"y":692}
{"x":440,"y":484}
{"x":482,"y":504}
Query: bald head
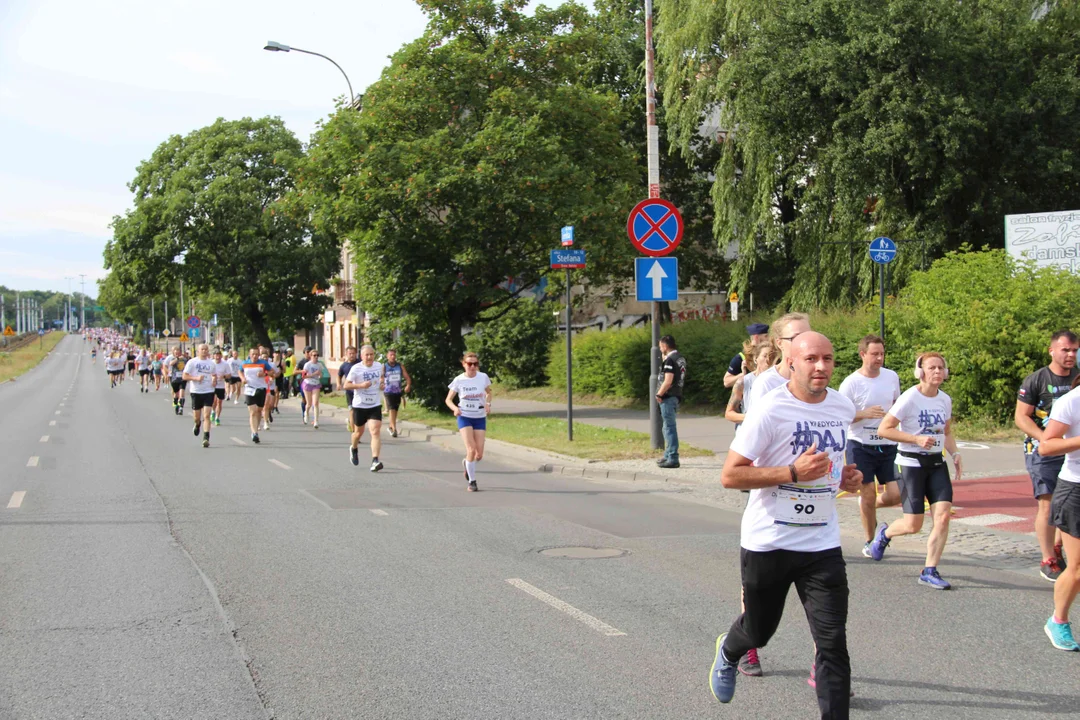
{"x":812,"y":361}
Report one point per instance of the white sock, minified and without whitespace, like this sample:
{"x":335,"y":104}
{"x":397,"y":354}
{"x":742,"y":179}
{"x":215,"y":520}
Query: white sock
{"x":470,"y":467}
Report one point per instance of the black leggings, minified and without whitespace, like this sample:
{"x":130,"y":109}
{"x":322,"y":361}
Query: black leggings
{"x":821,"y":581}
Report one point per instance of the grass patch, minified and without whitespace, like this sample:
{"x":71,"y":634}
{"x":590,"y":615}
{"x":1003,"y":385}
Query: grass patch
{"x":558,"y":395}
{"x":591,"y":442}
{"x":15,"y":363}
{"x":986,"y":430}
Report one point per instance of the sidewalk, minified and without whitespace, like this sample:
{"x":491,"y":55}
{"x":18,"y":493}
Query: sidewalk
{"x":715,"y":433}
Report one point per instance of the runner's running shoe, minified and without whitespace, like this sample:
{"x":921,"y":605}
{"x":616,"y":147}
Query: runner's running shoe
{"x":723,"y":674}
{"x":473,"y":487}
{"x":930,"y":576}
{"x":879,"y":543}
{"x":1050,"y":570}
{"x":255,"y":438}
{"x":195,"y":430}
{"x":464,"y":470}
{"x":354,"y":455}
{"x":1060,"y":635}
{"x":749,"y":664}
{"x":376,"y":465}
{"x":866,"y":550}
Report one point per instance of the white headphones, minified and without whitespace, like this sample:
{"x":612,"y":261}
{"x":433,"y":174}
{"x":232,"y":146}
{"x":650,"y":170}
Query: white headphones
{"x":919,"y":370}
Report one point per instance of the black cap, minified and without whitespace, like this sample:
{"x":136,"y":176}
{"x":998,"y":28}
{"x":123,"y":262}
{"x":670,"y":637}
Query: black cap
{"x":757,"y":329}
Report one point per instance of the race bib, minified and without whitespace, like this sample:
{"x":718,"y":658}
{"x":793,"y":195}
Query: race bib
{"x":803,"y":507}
{"x":250,"y":391}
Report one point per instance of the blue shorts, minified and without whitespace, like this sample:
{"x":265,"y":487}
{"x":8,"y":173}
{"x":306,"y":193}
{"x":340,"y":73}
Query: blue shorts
{"x":873,"y":461}
{"x":1044,"y":472}
{"x":474,"y":423}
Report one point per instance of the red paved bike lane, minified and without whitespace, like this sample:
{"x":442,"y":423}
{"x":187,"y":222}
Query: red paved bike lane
{"x":1003,"y":503}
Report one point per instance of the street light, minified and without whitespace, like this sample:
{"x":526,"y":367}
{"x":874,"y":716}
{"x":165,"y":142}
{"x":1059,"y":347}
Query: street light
{"x":280,"y":47}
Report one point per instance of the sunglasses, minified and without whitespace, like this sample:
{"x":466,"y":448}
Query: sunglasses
{"x":472,"y":364}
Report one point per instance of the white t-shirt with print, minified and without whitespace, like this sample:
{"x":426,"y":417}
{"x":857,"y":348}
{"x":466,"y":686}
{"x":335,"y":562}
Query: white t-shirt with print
{"x":222,"y":370}
{"x":471,"y":394}
{"x":779,"y":430}
{"x":367,"y":397}
{"x":236,"y":366}
{"x":206,"y":368}
{"x":865,"y":392}
{"x":921,"y":415}
{"x":1066,"y":410}
{"x":764,"y":384}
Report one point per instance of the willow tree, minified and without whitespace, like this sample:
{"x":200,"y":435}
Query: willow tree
{"x":924,"y":120}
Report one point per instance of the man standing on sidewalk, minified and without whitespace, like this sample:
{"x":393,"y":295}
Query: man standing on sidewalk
{"x":740,"y":364}
{"x":873,"y":389}
{"x":669,"y":395}
{"x":1033,"y":404}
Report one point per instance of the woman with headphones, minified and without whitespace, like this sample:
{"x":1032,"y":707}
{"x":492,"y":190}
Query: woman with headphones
{"x":921,"y":422}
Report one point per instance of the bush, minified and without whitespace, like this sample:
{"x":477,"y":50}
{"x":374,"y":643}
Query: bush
{"x":616,"y":362}
{"x":514,"y":347}
{"x":991,"y":317}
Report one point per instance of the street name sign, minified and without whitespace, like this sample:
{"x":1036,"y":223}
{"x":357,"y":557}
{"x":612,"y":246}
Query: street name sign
{"x":567,"y":259}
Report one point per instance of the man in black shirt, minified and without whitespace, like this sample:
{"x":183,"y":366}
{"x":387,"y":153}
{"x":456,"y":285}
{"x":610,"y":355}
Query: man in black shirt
{"x":1033,"y":403}
{"x":669,"y":395}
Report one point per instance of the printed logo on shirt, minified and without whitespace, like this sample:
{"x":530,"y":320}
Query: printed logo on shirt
{"x":828,"y":435}
{"x":929,"y":419}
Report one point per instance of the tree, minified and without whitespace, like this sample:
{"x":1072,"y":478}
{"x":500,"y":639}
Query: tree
{"x":475,"y":146}
{"x":220,"y":198}
{"x":918,"y":119}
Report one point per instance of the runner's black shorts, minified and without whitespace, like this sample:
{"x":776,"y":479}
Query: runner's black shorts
{"x":177,"y":385}
{"x":144,"y":372}
{"x":116,"y":372}
{"x":873,"y":461}
{"x":131,"y":366}
{"x":233,"y":380}
{"x":360,"y":416}
{"x":219,"y":393}
{"x":201,"y":400}
{"x":393,"y":400}
{"x":259,"y":398}
{"x":1065,"y":509}
{"x":919,"y":483}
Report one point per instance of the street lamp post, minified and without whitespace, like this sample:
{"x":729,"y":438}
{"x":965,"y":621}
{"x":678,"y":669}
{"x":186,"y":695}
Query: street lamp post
{"x":280,"y":47}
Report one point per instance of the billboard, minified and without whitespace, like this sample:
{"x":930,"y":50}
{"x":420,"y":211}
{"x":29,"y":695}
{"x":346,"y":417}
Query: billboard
{"x":1050,"y":239}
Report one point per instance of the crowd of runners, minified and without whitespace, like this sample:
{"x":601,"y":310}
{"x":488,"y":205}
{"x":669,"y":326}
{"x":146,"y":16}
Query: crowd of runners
{"x":798,"y":444}
{"x":212,"y":379}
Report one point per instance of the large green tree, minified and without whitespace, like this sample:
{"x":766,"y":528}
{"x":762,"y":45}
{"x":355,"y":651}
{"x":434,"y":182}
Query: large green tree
{"x":474,"y":147}
{"x":921,"y":119}
{"x":219,"y":198}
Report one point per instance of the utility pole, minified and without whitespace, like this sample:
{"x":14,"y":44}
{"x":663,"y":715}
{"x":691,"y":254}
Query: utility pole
{"x":653,"y":143}
{"x":18,"y":314}
{"x":82,"y":302}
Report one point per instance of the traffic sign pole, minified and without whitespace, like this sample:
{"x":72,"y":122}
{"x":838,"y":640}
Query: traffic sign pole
{"x":882,"y":251}
{"x":569,"y":368}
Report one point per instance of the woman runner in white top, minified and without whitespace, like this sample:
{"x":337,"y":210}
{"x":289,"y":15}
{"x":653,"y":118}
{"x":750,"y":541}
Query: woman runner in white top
{"x":762,"y":356}
{"x":311,"y":385}
{"x":473,"y":390}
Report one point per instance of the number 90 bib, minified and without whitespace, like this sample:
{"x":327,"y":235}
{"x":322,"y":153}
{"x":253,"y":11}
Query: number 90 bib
{"x":802,"y":506}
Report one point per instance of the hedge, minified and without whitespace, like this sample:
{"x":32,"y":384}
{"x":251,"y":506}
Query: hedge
{"x":990,"y":315}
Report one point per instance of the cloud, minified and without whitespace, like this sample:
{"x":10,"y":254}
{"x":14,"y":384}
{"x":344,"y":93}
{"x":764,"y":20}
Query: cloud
{"x":197,"y":62}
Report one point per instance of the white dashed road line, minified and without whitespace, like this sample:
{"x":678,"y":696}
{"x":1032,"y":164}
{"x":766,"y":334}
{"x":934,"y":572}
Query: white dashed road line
{"x":379,"y":512}
{"x":52,"y":423}
{"x":32,"y":462}
{"x":44,"y":438}
{"x":56,"y":413}
{"x":280,"y":464}
{"x":597,"y":625}
{"x":238,"y":441}
{"x":16,"y":500}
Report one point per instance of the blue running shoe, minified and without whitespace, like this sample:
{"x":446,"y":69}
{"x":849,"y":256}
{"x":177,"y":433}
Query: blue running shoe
{"x":1061,"y":636}
{"x":929,"y":576}
{"x":723,"y":674}
{"x":879,"y":543}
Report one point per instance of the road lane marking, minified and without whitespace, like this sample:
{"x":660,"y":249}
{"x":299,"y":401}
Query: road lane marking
{"x":60,"y":405}
{"x":56,"y":413}
{"x":988,"y":519}
{"x":32,"y":462}
{"x":379,"y":512}
{"x":238,"y":441}
{"x":280,"y":464}
{"x":16,"y":499}
{"x":44,"y":438}
{"x":321,"y":502}
{"x":52,"y":423}
{"x":597,"y":625}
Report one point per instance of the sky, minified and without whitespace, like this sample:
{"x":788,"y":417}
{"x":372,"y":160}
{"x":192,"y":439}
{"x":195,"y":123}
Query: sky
{"x":88,"y":90}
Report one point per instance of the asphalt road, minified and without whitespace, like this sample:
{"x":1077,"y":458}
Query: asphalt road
{"x":144,"y":576}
